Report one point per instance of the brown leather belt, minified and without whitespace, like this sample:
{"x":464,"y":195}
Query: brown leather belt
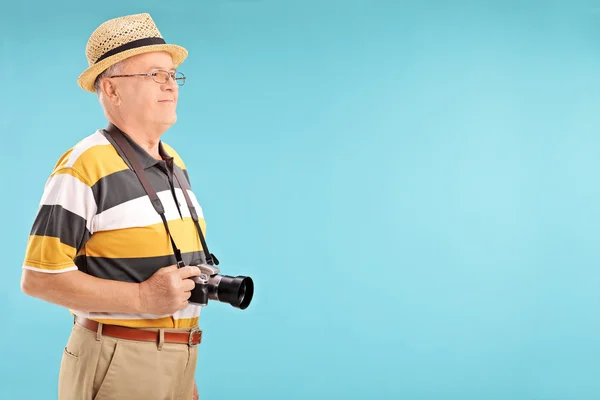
{"x":192,"y":338}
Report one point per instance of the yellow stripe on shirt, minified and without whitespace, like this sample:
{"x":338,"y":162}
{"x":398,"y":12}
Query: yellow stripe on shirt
{"x":147,"y":241}
{"x":46,"y":252}
{"x":165,"y":322}
{"x":94,"y":170}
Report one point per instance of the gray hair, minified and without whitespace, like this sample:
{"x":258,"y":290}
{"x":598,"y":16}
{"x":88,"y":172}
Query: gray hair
{"x":112,"y":70}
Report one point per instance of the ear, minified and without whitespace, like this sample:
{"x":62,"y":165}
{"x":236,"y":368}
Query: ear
{"x":110,"y":91}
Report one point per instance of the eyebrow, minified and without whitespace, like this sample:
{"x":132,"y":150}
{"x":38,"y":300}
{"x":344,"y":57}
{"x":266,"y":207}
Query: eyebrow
{"x":157,"y":67}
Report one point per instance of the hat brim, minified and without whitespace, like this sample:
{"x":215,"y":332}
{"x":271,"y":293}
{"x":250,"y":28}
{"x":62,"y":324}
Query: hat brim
{"x":88,"y":77}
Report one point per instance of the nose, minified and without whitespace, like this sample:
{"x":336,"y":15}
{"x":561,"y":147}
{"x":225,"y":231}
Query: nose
{"x":171,"y":83}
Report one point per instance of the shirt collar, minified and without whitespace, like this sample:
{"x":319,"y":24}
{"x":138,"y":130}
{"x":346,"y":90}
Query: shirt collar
{"x":144,"y":158}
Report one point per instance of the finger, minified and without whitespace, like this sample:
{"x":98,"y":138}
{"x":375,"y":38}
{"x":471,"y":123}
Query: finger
{"x":188,"y":284}
{"x":189,"y":271}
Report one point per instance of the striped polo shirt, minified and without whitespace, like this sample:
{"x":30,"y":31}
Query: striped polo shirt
{"x":94,"y":216}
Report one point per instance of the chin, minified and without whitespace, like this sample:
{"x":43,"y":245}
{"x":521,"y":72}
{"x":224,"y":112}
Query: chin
{"x":170,"y":120}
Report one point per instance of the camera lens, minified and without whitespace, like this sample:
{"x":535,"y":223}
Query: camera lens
{"x":236,"y":291}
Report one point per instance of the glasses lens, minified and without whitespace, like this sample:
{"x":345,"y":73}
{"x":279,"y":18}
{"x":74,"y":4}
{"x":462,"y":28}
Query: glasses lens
{"x":179,"y":78}
{"x":161,"y":77}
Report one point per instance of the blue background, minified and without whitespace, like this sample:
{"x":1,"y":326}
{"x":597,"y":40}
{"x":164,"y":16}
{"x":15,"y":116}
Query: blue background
{"x":413,"y":187}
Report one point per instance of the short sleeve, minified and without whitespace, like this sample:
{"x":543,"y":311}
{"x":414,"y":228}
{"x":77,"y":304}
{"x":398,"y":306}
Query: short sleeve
{"x":63,"y":223}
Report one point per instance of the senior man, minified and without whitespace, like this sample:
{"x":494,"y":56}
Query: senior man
{"x":118,"y":228}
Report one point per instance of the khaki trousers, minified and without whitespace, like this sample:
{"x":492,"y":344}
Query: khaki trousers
{"x":99,"y":367}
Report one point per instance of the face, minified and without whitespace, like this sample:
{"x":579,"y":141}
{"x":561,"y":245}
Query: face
{"x":142,"y":100}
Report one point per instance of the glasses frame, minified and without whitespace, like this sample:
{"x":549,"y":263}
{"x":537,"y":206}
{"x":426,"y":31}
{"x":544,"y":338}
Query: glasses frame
{"x":171,"y":75}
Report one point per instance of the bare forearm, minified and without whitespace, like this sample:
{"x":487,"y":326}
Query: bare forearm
{"x":79,"y":291}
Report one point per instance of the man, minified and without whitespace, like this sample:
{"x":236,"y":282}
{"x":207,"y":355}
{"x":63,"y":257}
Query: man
{"x":99,"y":247}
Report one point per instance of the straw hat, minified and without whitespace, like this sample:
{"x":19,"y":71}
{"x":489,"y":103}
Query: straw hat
{"x":120,"y":38}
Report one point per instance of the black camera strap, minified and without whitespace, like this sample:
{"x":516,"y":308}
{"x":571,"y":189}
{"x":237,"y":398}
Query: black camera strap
{"x":129,"y":154}
{"x":210,"y":258}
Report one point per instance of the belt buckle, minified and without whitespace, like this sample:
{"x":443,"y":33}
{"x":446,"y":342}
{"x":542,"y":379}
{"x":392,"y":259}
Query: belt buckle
{"x":191,"y":337}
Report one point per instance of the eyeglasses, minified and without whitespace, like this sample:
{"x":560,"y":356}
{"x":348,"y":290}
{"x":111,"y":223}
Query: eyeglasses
{"x":159,"y":76}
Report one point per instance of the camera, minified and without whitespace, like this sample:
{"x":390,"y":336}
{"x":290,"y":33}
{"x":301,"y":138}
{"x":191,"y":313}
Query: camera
{"x":210,"y":285}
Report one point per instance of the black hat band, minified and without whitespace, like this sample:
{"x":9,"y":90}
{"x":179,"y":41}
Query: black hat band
{"x":131,"y":45}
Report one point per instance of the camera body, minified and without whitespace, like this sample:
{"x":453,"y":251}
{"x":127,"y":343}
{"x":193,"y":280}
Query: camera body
{"x":210,"y":285}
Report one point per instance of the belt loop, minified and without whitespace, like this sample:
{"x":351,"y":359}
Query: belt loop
{"x":161,"y":338}
{"x":99,"y":331}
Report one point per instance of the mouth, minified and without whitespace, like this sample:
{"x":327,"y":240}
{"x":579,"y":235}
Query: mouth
{"x":166,"y":101}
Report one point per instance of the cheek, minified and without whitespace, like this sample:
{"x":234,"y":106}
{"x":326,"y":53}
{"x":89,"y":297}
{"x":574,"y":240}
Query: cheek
{"x":141,"y":101}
